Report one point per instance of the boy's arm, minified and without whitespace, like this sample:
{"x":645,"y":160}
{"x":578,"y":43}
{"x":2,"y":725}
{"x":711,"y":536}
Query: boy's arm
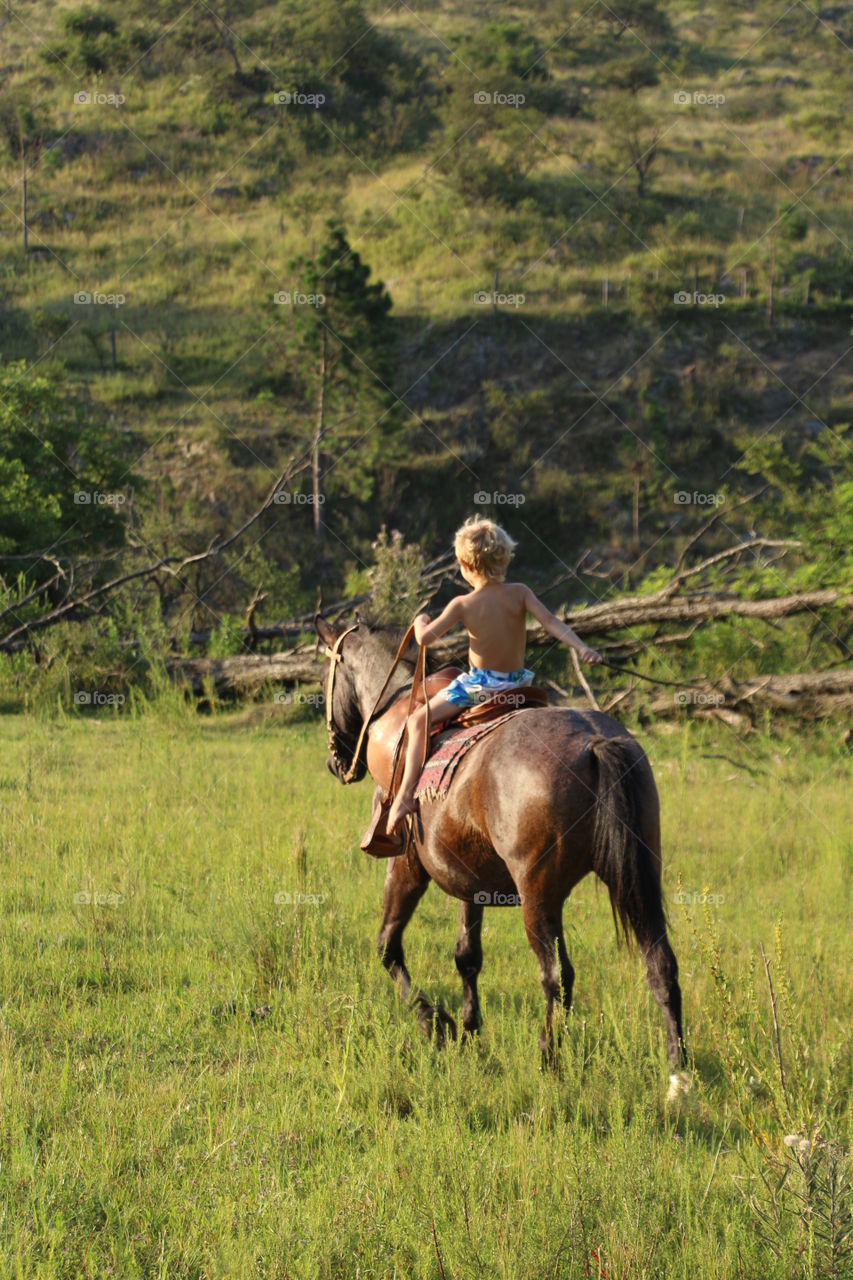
{"x":558,"y":629}
{"x":427,"y":631}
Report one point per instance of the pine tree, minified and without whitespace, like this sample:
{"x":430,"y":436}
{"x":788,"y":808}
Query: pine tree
{"x":343,"y":349}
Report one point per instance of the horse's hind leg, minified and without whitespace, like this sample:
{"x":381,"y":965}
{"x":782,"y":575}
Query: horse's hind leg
{"x":405,"y":884}
{"x":545,"y":934}
{"x":662,"y":975}
{"x":469,"y":961}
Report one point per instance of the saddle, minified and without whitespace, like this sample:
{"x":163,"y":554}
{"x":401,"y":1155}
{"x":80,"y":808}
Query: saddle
{"x":387,"y":741}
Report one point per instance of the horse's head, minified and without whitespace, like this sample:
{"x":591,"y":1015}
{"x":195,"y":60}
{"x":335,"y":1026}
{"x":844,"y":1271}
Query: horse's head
{"x":364,"y":652}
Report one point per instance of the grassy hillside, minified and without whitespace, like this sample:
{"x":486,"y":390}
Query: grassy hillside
{"x":659,"y":151}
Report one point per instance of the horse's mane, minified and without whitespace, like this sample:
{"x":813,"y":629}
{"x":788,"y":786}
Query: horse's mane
{"x":393,"y":633}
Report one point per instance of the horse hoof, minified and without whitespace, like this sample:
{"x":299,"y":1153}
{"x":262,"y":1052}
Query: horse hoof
{"x":445,"y":1028}
{"x":680,"y":1085}
{"x":437,"y":1025}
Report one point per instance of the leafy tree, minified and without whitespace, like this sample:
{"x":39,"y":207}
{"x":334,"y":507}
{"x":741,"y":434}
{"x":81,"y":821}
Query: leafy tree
{"x":372,"y":84}
{"x":223,"y":25}
{"x":633,"y":134}
{"x":335,"y":39}
{"x":94,"y":43}
{"x":809,"y":496}
{"x":643,"y":17}
{"x":507,"y":48}
{"x":395,"y":577}
{"x":489,"y":162}
{"x":60,"y":479}
{"x":635,"y":74}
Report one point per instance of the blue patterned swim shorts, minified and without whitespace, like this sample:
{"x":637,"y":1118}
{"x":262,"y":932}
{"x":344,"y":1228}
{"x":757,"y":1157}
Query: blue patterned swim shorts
{"x":479,"y":684}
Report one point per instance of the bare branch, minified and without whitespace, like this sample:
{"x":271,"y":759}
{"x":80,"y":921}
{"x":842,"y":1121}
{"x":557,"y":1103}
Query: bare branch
{"x":709,"y":524}
{"x":170,"y":564}
{"x":676,"y":581}
{"x":584,"y":683}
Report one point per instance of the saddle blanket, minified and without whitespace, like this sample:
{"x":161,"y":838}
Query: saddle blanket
{"x":448,"y":750}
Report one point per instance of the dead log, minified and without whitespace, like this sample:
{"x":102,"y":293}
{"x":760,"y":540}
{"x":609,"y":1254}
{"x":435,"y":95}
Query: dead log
{"x":639,"y":611}
{"x":810,"y":695}
{"x":247,"y":674}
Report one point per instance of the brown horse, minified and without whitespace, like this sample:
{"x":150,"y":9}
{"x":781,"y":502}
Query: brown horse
{"x":547,"y":797}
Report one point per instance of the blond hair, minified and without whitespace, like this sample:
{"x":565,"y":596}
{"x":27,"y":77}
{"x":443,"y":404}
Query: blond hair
{"x":485,"y":546}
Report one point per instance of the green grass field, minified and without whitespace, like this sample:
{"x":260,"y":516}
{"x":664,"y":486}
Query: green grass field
{"x":159,"y":1120}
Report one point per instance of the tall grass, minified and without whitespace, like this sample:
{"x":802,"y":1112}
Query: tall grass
{"x":204,"y":1070}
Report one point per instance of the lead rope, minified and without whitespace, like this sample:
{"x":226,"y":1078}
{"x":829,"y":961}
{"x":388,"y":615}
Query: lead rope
{"x":420,"y":672}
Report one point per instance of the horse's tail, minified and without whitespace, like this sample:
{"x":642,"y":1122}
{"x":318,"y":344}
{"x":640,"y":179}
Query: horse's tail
{"x":620,"y":854}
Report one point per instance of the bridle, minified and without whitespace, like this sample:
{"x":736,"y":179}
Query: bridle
{"x":347,"y":772}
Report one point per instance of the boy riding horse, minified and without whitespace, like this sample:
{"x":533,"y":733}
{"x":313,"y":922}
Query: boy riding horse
{"x":494,"y":614}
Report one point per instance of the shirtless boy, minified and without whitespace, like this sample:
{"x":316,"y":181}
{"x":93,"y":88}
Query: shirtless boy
{"x":494,"y":614}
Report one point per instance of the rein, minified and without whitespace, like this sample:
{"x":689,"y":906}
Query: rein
{"x":346,"y":772}
{"x":673,"y":684}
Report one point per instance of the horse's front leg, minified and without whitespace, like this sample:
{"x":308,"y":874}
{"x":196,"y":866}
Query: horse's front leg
{"x":469,"y":961}
{"x":405,"y":884}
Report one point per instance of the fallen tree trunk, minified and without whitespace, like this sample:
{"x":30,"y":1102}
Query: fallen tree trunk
{"x":810,"y":695}
{"x":640,"y":611}
{"x":597,"y":620}
{"x":246,"y":675}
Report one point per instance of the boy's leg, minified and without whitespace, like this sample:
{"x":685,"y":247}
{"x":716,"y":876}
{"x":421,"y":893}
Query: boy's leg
{"x":440,"y":710}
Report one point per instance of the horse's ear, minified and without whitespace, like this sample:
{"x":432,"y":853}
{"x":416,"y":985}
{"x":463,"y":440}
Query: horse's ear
{"x":325,"y":630}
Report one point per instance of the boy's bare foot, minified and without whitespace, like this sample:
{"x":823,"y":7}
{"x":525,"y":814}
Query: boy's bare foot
{"x":402,"y":805}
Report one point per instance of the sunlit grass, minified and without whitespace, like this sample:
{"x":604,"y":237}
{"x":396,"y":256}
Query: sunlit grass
{"x":198,"y":1079}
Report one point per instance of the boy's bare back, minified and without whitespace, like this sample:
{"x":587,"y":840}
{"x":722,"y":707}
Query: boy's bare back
{"x":494,"y":616}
